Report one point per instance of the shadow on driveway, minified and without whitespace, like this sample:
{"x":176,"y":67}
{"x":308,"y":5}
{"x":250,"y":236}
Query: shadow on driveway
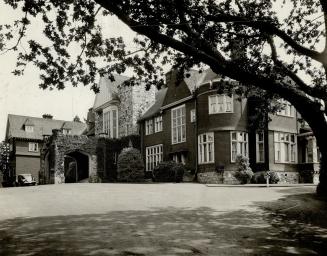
{"x":169,"y":231}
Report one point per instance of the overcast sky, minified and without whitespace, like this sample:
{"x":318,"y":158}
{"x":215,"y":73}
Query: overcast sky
{"x":22,"y":96}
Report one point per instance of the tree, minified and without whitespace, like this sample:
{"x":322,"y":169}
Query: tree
{"x":4,"y":157}
{"x":248,"y":41}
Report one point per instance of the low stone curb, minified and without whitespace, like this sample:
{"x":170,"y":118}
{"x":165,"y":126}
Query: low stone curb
{"x":263,"y":185}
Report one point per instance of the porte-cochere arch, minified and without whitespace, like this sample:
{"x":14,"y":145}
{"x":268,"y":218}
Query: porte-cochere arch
{"x":69,"y":158}
{"x":75,"y":158}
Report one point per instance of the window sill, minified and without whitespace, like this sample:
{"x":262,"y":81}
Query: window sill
{"x":206,"y":163}
{"x":176,"y":143}
{"x":231,"y":112}
{"x":285,"y":116}
{"x":285,"y":162}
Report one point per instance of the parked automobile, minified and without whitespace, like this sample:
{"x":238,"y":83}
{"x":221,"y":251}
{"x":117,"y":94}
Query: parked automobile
{"x":25,"y":180}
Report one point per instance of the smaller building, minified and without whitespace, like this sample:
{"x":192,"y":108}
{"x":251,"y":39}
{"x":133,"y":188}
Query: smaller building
{"x":26,"y":136}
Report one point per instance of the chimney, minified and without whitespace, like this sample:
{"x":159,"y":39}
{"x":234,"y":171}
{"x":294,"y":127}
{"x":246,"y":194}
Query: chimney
{"x":47,"y":116}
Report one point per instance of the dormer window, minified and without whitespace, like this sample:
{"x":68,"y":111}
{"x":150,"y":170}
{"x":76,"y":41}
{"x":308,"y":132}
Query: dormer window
{"x":66,"y":131}
{"x":29,"y":128}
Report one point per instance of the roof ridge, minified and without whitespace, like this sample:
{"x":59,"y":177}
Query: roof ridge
{"x":41,"y":118}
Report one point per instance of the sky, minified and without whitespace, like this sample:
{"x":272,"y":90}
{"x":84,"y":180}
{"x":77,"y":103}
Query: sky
{"x":21,"y":95}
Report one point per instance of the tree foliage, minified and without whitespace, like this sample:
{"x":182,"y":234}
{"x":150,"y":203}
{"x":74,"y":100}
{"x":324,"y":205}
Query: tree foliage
{"x":228,"y":36}
{"x":276,"y":46}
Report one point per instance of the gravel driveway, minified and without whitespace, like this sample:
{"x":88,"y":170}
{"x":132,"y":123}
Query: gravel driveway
{"x":143,"y":219}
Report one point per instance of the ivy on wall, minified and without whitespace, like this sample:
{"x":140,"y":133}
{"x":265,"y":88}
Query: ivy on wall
{"x":108,"y":150}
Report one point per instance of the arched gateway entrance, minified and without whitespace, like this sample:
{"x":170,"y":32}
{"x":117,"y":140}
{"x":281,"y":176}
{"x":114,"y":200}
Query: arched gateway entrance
{"x":76,"y":167}
{"x":69,"y":158}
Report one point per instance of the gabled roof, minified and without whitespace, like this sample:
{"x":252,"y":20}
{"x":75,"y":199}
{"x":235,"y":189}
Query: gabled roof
{"x":108,"y":90}
{"x":208,"y":75}
{"x":42,"y":126}
{"x":155,"y":108}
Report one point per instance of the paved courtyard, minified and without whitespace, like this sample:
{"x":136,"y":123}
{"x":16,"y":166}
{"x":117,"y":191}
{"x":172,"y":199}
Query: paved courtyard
{"x":151,"y":219}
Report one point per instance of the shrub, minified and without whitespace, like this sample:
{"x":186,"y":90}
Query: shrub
{"x":168,"y":172}
{"x":274,"y":178}
{"x":94,"y":178}
{"x":243,"y":172}
{"x":260,"y":177}
{"x":130,"y":167}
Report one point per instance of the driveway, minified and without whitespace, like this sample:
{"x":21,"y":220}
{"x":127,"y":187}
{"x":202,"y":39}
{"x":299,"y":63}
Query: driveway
{"x":148,"y":219}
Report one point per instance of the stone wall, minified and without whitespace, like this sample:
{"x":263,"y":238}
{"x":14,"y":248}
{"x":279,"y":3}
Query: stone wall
{"x":125,"y":110}
{"x":142,"y":100}
{"x":133,"y":102}
{"x":61,"y":145}
{"x":207,"y":174}
{"x":288,"y":177}
{"x":101,"y":153}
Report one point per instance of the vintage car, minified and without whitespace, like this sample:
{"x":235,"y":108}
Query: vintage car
{"x":25,"y":180}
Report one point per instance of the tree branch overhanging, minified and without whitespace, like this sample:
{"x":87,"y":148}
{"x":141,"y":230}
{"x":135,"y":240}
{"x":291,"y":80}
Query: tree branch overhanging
{"x":317,"y":92}
{"x":267,"y":28}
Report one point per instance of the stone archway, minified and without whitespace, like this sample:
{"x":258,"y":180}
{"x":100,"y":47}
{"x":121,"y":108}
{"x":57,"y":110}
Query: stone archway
{"x":76,"y":166}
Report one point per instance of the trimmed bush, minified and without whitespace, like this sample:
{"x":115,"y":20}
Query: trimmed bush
{"x":260,"y":177}
{"x":130,"y":167}
{"x":274,"y":178}
{"x":168,"y":172}
{"x":243,"y":172}
{"x":94,"y":179}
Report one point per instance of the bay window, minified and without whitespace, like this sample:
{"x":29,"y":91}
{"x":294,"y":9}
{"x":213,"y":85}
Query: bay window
{"x":220,"y":103}
{"x":206,"y":148}
{"x":239,"y":145}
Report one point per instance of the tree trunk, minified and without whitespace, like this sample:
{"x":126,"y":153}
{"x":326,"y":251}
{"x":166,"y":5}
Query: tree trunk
{"x":322,"y":186}
{"x":315,"y":117}
{"x":318,"y":125}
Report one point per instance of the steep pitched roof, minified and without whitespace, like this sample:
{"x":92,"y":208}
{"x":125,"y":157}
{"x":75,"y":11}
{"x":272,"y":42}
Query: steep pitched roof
{"x":42,"y":126}
{"x":208,"y":75}
{"x":108,"y":90}
{"x":155,"y":108}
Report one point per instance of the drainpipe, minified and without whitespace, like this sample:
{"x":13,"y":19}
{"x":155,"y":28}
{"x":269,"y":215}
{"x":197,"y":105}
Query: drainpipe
{"x":196,"y":134}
